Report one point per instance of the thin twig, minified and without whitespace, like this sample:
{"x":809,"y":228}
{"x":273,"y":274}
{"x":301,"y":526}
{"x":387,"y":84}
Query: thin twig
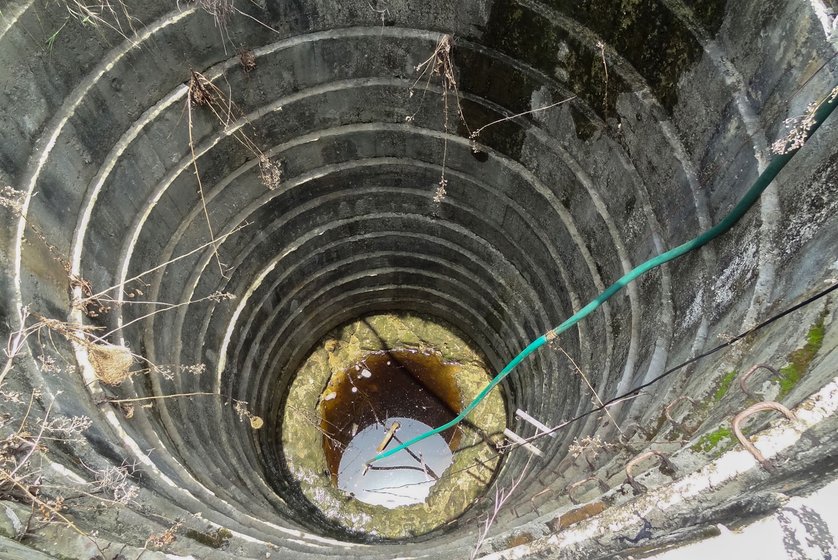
{"x":591,"y":387}
{"x":170,"y":306}
{"x":558,"y":427}
{"x":257,"y":20}
{"x":189,"y":101}
{"x":35,"y":442}
{"x":170,"y":261}
{"x":601,"y":46}
{"x":502,"y":495}
{"x":16,"y":342}
{"x":161,"y":397}
{"x":43,"y":504}
{"x":477,"y":132}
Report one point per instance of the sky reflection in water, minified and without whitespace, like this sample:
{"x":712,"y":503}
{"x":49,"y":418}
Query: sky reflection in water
{"x":399,"y":480}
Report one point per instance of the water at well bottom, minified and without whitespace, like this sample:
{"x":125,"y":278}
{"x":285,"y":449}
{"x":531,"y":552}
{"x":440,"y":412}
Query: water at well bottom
{"x":386,"y":398}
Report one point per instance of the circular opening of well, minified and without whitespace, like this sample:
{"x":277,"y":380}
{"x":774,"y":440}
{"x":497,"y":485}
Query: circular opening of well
{"x":369,"y":386}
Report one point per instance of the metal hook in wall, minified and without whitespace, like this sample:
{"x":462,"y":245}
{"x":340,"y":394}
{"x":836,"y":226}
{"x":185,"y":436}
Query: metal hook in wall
{"x":603,"y":487}
{"x":677,"y":423}
{"x":666,"y":464}
{"x":744,"y":378}
{"x":759,"y":407}
{"x":624,"y":438}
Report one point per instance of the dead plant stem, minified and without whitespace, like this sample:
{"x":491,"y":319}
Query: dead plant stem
{"x":167,"y":263}
{"x":591,"y":388}
{"x":189,"y":101}
{"x":169,"y":307}
{"x":257,"y":20}
{"x":502,"y":495}
{"x":601,"y":46}
{"x":34,"y":442}
{"x":477,"y":132}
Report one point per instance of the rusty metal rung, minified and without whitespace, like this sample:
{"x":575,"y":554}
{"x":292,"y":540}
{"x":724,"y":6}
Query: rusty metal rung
{"x":759,"y":407}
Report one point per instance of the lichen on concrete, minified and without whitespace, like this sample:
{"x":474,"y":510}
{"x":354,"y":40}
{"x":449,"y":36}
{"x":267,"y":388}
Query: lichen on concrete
{"x":474,"y":461}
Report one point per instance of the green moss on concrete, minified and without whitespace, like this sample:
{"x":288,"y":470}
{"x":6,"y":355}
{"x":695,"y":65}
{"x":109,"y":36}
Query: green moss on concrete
{"x":800,"y":359}
{"x":710,"y":13}
{"x":724,"y":386}
{"x":719,"y":440}
{"x":212,"y":539}
{"x":649,"y":34}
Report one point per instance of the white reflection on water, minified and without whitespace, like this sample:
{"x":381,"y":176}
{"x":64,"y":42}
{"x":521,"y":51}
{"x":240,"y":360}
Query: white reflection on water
{"x":401,"y":479}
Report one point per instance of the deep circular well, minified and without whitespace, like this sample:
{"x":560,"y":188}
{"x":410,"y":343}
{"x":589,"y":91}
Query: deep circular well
{"x":193,"y":201}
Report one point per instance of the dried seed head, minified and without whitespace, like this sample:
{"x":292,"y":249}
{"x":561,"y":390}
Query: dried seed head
{"x":199,"y":93}
{"x":439,"y":195}
{"x":220,"y":296}
{"x":221,"y":10}
{"x":799,"y":128}
{"x":247,"y":58}
{"x":11,"y":199}
{"x":269,"y":173}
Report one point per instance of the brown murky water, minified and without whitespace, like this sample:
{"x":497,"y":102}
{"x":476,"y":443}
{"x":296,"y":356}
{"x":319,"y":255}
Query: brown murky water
{"x":400,"y":393}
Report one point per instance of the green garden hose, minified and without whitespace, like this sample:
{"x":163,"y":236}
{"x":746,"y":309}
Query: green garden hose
{"x":766,"y":177}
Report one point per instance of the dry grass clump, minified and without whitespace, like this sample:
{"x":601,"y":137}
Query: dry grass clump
{"x":111,"y":363}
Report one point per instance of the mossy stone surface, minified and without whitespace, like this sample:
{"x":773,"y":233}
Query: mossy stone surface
{"x":799,"y":360}
{"x":715,"y":442}
{"x":724,"y":386}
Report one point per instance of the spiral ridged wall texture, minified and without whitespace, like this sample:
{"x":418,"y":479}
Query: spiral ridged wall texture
{"x":672,"y":106}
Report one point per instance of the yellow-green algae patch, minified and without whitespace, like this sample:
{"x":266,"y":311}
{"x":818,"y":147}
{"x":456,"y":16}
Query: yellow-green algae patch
{"x":474,"y":459}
